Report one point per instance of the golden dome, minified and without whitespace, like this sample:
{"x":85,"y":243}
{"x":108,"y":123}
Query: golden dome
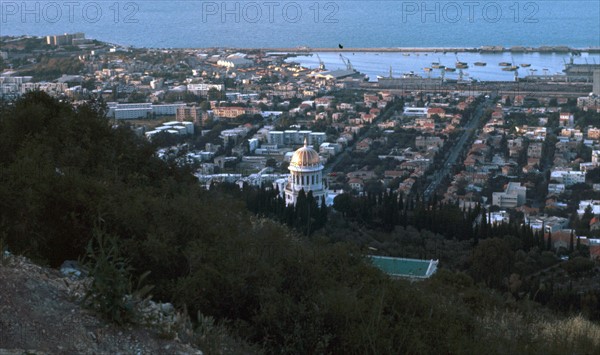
{"x":305,"y":157}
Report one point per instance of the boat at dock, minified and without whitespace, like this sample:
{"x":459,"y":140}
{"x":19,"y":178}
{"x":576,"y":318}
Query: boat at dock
{"x":504,"y":64}
{"x":437,"y":65}
{"x":450,"y":69}
{"x":525,"y":65}
{"x":480,"y":64}
{"x":461,"y":65}
{"x":510,"y":68}
{"x":410,"y":74}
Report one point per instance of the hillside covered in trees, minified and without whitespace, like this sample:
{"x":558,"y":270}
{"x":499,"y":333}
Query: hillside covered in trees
{"x":73,"y":187}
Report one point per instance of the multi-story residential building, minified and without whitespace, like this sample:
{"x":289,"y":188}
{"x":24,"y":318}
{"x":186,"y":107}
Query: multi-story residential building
{"x":202,"y":89}
{"x":549,"y":224}
{"x":276,"y":138}
{"x":189,"y":113}
{"x":166,"y":109}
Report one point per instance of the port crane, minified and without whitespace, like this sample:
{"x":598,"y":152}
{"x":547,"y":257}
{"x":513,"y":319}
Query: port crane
{"x":346,"y":62}
{"x":321,"y":63}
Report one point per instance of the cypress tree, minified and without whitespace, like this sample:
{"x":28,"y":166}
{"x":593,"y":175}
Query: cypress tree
{"x":301,"y":210}
{"x":323,"y":212}
{"x":401,"y":201}
{"x":571,"y":246}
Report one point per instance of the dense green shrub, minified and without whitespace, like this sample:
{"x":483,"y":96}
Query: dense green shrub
{"x":111,"y":290}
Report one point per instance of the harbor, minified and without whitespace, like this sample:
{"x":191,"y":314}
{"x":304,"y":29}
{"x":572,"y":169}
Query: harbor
{"x":457,"y":66}
{"x":481,"y":49}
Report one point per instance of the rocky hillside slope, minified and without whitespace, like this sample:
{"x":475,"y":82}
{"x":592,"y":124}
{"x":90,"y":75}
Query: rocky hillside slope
{"x":41,"y":313}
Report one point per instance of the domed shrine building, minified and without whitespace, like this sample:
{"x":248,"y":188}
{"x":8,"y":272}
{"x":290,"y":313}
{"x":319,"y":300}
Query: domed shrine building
{"x":306,"y":172}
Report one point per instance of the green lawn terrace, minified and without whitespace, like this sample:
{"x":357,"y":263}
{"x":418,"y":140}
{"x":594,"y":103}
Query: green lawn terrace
{"x":403,"y":268}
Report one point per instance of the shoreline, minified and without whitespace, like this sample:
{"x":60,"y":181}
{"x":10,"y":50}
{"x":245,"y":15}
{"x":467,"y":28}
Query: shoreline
{"x":308,"y":49}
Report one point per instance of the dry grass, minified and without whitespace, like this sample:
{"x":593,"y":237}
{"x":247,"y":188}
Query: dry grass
{"x":512,"y":332}
{"x":574,"y":335}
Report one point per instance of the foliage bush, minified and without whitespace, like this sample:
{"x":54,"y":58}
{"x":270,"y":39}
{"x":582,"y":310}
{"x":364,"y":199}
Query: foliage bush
{"x":578,"y":265}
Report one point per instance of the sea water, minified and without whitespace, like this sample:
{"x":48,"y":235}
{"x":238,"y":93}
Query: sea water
{"x":312,"y":23}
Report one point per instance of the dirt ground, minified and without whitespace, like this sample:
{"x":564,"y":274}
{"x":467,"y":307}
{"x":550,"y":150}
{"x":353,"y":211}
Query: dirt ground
{"x":40,"y":314}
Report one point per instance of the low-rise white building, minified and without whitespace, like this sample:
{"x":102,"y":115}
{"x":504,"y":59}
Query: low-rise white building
{"x":415,"y":111}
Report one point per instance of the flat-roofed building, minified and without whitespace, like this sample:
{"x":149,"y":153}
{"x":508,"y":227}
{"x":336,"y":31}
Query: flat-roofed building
{"x":166,"y":109}
{"x":514,"y":196}
{"x":568,"y":177}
